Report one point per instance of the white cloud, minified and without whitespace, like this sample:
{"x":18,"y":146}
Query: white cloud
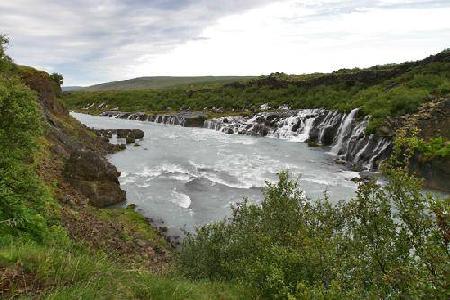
{"x":283,"y":37}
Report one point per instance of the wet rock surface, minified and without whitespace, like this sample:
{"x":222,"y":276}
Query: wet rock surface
{"x":130,"y":135}
{"x":184,"y":118}
{"x":318,"y":127}
{"x":95,"y":177}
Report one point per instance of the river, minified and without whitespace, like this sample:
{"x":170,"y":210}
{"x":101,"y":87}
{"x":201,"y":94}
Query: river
{"x":185,"y":177}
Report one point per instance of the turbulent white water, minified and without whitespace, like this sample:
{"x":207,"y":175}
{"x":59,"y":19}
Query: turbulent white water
{"x":190,"y":176}
{"x":343,"y":131}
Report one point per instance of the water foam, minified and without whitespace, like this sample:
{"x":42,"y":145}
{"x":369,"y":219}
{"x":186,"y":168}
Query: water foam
{"x":180,"y":199}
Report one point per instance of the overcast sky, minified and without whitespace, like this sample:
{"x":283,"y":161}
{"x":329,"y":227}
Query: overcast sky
{"x":103,"y":40}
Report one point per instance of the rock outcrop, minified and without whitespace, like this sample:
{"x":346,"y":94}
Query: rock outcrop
{"x":77,"y":161}
{"x":47,"y":90}
{"x":344,"y":133}
{"x":431,"y":120}
{"x":185,"y":119}
{"x":129,"y":135}
{"x":435,"y":172}
{"x":94,"y":177}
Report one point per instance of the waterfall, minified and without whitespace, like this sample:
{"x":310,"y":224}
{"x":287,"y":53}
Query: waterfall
{"x":343,"y":131}
{"x":306,"y":129}
{"x":363,"y":149}
{"x":345,"y":134}
{"x":379,"y":150}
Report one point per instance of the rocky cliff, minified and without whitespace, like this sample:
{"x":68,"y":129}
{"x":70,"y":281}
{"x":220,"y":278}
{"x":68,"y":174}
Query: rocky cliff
{"x":84,"y":167}
{"x":431,"y":120}
{"x":74,"y":165}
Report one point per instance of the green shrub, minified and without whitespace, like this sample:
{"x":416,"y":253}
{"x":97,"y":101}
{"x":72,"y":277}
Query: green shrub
{"x":6,"y":63}
{"x":386,"y":242}
{"x":24,"y":199}
{"x":409,"y":144}
{"x":435,"y":147}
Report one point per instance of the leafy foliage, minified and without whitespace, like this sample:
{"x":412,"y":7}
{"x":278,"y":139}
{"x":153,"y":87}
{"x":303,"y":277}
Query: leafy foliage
{"x":388,"y":241}
{"x":408,"y":144}
{"x":62,"y":269}
{"x":435,"y":147}
{"x":24,"y":197}
{"x":58,"y":78}
{"x":5,"y":61}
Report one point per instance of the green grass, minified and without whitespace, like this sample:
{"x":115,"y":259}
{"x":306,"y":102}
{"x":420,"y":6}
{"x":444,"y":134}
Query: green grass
{"x":132,"y":222}
{"x":65,"y":270}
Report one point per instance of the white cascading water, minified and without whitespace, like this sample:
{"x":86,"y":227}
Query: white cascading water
{"x":304,"y":120}
{"x":360,"y":152}
{"x":344,"y":129}
{"x":382,"y":145}
{"x":304,"y":135}
{"x":345,"y":134}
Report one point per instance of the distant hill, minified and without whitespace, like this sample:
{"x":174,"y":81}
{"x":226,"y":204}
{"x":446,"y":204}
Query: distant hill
{"x":71,"y":88}
{"x":160,"y":82}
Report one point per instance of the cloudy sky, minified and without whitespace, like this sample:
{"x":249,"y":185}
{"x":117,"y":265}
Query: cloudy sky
{"x":103,"y":40}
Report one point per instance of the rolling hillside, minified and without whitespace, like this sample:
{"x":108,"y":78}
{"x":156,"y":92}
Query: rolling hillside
{"x":160,"y":82}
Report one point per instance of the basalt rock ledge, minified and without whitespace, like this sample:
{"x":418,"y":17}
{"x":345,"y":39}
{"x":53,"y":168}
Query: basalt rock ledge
{"x":185,"y":119}
{"x":94,"y":177}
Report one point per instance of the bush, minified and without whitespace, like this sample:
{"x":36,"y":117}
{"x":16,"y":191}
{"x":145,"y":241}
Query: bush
{"x":23,"y":196}
{"x":6,"y":63}
{"x":389,"y":241}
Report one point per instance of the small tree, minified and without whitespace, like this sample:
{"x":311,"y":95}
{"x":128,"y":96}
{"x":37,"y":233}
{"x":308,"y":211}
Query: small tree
{"x":58,"y":78}
{"x":5,"y":60}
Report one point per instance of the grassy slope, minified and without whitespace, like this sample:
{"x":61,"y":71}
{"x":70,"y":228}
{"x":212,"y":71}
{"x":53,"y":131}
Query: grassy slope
{"x":70,"y":250}
{"x":160,"y":82}
{"x":381,"y":91}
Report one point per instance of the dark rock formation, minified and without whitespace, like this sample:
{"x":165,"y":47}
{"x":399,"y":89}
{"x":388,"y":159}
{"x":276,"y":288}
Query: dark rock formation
{"x":328,"y":135}
{"x":193,"y":121}
{"x":95,"y":177}
{"x":184,"y":118}
{"x":47,"y":90}
{"x":436,"y":172}
{"x":129,"y":134}
{"x":431,"y":120}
